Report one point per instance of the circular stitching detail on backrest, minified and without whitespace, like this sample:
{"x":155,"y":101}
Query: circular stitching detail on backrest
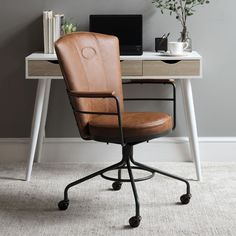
{"x":88,"y":52}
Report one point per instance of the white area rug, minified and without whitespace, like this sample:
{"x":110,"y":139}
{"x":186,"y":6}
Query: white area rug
{"x":30,"y":208}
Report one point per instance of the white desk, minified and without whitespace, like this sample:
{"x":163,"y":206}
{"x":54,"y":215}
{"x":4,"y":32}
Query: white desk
{"x":148,"y":66}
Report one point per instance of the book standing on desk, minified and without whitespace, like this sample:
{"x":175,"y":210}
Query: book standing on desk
{"x":52,"y":30}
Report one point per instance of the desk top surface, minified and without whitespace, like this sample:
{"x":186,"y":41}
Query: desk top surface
{"x":146,"y":56}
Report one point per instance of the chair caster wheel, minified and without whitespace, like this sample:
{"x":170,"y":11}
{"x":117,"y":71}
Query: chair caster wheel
{"x":116,"y":185}
{"x":63,"y":205}
{"x":185,"y":199}
{"x":135,"y":221}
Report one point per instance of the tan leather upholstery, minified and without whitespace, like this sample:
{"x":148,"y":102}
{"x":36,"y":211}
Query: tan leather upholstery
{"x":90,"y":62}
{"x":90,"y":65}
{"x":137,"y":126}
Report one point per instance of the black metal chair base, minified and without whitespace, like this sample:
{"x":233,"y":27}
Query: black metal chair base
{"x":125,"y":164}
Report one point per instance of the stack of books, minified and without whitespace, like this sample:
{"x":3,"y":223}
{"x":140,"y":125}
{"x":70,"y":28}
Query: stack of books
{"x":52,"y":29}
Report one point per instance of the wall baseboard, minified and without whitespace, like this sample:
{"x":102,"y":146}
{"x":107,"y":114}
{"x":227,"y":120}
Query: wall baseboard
{"x":78,"y":150}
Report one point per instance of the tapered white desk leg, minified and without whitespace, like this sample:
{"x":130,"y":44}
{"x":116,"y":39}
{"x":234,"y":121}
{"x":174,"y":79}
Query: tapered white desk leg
{"x":184,"y":96}
{"x":43,"y":122}
{"x":38,"y":108}
{"x":191,"y":124}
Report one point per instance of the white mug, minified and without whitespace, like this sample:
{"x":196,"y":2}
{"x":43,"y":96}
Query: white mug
{"x":177,"y":48}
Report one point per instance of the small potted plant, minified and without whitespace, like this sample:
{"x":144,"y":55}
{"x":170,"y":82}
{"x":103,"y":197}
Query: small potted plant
{"x":69,"y":27}
{"x":182,"y":9}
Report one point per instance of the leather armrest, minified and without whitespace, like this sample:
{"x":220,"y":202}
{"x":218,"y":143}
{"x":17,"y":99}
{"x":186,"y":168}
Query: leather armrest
{"x":98,"y":94}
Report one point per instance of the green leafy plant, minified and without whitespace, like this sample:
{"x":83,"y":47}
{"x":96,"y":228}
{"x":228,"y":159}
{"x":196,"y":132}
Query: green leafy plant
{"x":182,"y":9}
{"x":69,"y":27}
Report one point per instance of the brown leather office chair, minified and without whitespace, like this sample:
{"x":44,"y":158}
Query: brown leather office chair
{"x":90,"y":65}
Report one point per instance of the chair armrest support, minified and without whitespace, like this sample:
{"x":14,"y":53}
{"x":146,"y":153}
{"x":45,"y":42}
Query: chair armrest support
{"x":95,"y":95}
{"x":172,"y":99}
{"x":88,"y":94}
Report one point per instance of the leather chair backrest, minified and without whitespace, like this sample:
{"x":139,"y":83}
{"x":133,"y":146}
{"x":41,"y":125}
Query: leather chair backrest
{"x":90,"y":62}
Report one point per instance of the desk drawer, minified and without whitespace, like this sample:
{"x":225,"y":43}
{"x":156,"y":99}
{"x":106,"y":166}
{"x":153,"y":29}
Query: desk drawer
{"x":129,"y":68}
{"x":171,"y":68}
{"x":43,"y":68}
{"x":46,"y":68}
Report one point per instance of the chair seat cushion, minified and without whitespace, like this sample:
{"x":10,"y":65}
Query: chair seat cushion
{"x":137,"y":126}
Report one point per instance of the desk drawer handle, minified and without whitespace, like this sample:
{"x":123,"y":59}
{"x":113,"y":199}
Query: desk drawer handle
{"x":171,"y":61}
{"x":53,"y":61}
